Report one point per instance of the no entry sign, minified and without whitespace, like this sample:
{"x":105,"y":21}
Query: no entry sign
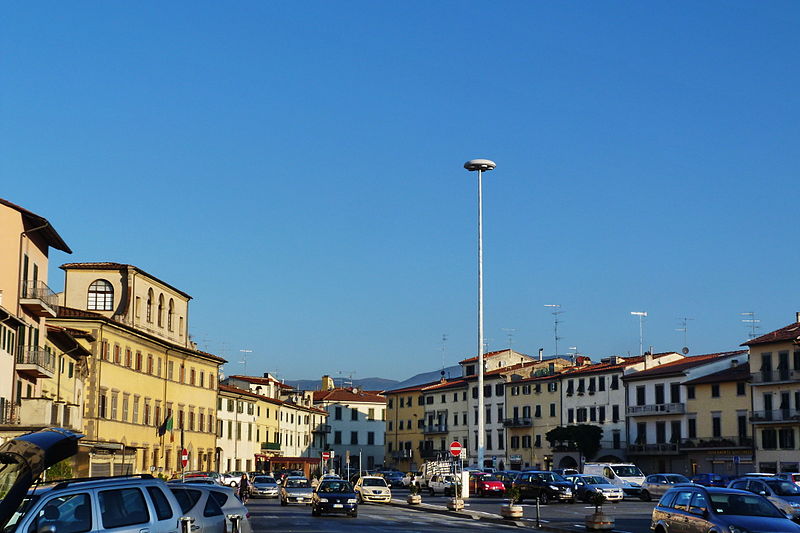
{"x":184,"y":458}
{"x":455,"y":448}
{"x":326,"y":456}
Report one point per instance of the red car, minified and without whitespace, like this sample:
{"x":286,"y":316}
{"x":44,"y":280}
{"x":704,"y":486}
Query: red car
{"x":483,"y":484}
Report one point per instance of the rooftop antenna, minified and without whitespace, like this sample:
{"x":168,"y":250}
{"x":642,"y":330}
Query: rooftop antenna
{"x":244,"y":359}
{"x":556,"y":321}
{"x":348,"y":375}
{"x":752,"y":323}
{"x":574,"y":353}
{"x":444,"y":346}
{"x":684,"y":323}
{"x":641,"y":315}
{"x":510,"y":335}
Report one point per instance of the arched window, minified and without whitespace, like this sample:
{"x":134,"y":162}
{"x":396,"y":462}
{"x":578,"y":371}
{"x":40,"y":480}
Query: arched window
{"x":161,"y":310}
{"x":101,"y":296}
{"x":150,"y":305}
{"x":170,"y":312}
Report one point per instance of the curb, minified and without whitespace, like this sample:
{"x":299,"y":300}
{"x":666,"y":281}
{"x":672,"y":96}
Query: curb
{"x":480,"y":515}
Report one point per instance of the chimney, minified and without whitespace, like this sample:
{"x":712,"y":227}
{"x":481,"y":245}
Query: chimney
{"x":648,"y":360}
{"x":734,"y":363}
{"x":541,"y":350}
{"x":327,"y":383}
{"x":796,"y":315}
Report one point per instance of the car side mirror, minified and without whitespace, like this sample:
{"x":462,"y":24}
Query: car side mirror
{"x":762,"y":492}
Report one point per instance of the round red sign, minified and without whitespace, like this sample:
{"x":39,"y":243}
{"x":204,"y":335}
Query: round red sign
{"x":455,"y":448}
{"x":184,"y":458}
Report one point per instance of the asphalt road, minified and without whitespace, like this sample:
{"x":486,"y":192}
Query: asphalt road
{"x":269,"y":515}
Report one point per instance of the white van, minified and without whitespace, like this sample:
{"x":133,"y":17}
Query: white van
{"x":627,"y":476}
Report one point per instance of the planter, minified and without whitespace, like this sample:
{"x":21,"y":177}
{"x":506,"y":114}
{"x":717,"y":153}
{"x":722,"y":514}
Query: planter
{"x":599,"y":521}
{"x":455,"y":504}
{"x":414,"y":499}
{"x":510,"y":510}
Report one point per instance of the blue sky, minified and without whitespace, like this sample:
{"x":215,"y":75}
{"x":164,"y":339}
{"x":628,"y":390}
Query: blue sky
{"x":297,"y":168}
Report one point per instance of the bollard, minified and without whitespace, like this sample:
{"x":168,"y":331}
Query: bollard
{"x":186,"y":524}
{"x":538,"y":524}
{"x":234,"y":518}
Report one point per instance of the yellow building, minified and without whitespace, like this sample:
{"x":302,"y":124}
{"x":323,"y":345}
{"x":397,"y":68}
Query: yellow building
{"x":143,"y":373}
{"x":533,"y":407}
{"x":25,"y":302}
{"x":718,"y":435}
{"x":405,"y":419}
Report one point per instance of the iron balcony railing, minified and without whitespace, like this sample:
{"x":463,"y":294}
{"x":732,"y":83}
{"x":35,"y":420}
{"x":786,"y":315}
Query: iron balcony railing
{"x":775,"y":376}
{"x":37,"y":357}
{"x":775,"y":415}
{"x":434,"y":428}
{"x":38,"y":290}
{"x":717,"y":442}
{"x":656,"y":409}
{"x":433,"y":454}
{"x":322,"y":428}
{"x":275,"y":446}
{"x":402,"y":454}
{"x":519,"y":422}
{"x":663,"y":448}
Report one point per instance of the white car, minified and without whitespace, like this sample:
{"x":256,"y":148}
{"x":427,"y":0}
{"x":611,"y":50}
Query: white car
{"x":373,"y":489}
{"x":441,"y":484}
{"x":203,"y":500}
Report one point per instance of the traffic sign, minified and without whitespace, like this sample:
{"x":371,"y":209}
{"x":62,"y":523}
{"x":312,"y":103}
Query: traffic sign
{"x":184,"y":458}
{"x":326,"y":456}
{"x":736,"y":459}
{"x":455,"y":448}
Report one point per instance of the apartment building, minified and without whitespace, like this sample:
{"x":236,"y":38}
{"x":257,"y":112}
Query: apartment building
{"x":657,"y":415}
{"x":26,"y":301}
{"x":718,"y":434}
{"x":357,"y":421}
{"x":143,"y":372}
{"x":775,"y":389}
{"x":238,"y":430}
{"x":405,"y":419}
{"x":445,"y":419}
{"x":533,"y":407}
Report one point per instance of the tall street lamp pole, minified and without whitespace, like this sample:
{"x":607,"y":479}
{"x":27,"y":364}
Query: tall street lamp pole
{"x":481,"y":165}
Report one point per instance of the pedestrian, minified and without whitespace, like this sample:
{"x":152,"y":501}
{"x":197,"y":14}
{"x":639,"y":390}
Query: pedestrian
{"x":244,"y":488}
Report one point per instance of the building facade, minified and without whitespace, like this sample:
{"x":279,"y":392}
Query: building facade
{"x":446,"y":419}
{"x":405,"y":417}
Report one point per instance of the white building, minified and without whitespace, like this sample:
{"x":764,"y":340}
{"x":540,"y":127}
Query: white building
{"x":237,"y":439}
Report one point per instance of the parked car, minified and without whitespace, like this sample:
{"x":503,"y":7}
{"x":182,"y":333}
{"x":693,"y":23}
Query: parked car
{"x":657,"y":484}
{"x":564,"y":472}
{"x":783,"y":494}
{"x":199,"y":481}
{"x":483,"y":484}
{"x":231,"y":505}
{"x":546,"y":486}
{"x":231,"y":479}
{"x":334,"y":496}
{"x":627,"y":476}
{"x":207,"y":503}
{"x":264,"y":487}
{"x":393,"y":478}
{"x":372,"y":489}
{"x":710,"y":480}
{"x":507,"y":478}
{"x":296,"y":489}
{"x":586,"y":486}
{"x":698,"y":509}
{"x":794,"y":477}
{"x":441,"y":484}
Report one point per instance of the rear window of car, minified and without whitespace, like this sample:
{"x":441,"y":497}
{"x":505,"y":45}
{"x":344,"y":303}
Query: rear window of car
{"x":220,"y":497}
{"x":123,"y":507}
{"x":160,"y":502}
{"x":212,"y":508}
{"x":186,"y":498}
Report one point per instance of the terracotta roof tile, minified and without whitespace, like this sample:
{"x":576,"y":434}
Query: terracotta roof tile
{"x":487,"y":355}
{"x":251,"y":394}
{"x":451,"y":384}
{"x":347,"y":395}
{"x":258,"y":380}
{"x":681,"y":365}
{"x":786,"y":333}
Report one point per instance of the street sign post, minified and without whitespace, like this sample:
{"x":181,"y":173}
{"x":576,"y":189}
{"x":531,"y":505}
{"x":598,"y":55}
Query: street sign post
{"x":455,"y":448}
{"x":326,"y":456}
{"x":184,"y":458}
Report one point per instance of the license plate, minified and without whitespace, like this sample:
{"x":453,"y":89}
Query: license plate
{"x":338,"y":505}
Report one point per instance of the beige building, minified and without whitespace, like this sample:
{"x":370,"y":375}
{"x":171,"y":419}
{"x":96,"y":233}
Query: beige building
{"x":533,"y":407}
{"x":775,"y":414}
{"x":446,"y":418}
{"x":405,"y":418}
{"x":25,"y":302}
{"x":143,"y":372}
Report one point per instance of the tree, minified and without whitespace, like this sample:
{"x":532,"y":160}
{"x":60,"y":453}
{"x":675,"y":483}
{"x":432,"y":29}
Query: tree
{"x":60,"y":470}
{"x":585,"y":437}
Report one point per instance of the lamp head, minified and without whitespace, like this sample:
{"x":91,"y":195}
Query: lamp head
{"x":479,"y":164}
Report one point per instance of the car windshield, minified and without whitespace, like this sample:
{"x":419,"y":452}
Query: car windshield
{"x":595,"y":480}
{"x":264,"y":479}
{"x":335,"y":486}
{"x":488,"y":477}
{"x":19,"y":513}
{"x":783,"y":488}
{"x":743,"y":505}
{"x":297,"y":484}
{"x":628,"y":471}
{"x":550,"y":477}
{"x":373,"y":482}
{"x":676,"y":478}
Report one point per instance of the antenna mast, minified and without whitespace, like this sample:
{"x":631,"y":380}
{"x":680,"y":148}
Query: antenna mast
{"x":684,"y":327}
{"x":752,"y":323}
{"x":556,"y":321}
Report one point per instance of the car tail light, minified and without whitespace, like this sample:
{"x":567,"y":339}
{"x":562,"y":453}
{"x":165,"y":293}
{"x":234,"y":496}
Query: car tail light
{"x":247,"y":515}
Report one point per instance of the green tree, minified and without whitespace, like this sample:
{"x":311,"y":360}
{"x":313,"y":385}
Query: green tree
{"x":61,"y":470}
{"x":585,"y":437}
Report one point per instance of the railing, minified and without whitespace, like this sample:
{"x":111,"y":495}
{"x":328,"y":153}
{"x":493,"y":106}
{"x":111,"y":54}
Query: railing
{"x":435,"y":428}
{"x":38,"y":290}
{"x":37,"y":357}
{"x":523,"y":422}
{"x":402,"y":454}
{"x":718,"y":442}
{"x":665,"y":448}
{"x":656,"y":409}
{"x":9,"y":413}
{"x":433,"y":454}
{"x":322,"y":428}
{"x":775,"y":415}
{"x":775,"y":376}
{"x":275,"y":446}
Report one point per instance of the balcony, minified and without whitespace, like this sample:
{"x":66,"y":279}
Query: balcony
{"x":37,"y":298}
{"x":271,"y":446}
{"x":717,"y":443}
{"x":434,"y":429}
{"x":36,"y":363}
{"x":401,"y":454}
{"x":775,"y":415}
{"x":524,"y":422}
{"x":666,"y":448}
{"x":782,"y":375}
{"x":322,"y":428}
{"x":434,"y":454}
{"x":656,"y":409}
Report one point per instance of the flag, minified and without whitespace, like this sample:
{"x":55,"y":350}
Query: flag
{"x":165,"y":426}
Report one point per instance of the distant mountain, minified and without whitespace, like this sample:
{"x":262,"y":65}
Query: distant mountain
{"x":451,"y":372}
{"x":364,"y":383}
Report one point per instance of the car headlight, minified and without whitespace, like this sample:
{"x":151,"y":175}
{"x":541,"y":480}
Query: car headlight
{"x":553,"y":487}
{"x":323,"y":500}
{"x":352,"y":500}
{"x":737,"y":529}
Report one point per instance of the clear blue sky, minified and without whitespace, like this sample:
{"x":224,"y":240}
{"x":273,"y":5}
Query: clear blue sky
{"x":297,"y":168}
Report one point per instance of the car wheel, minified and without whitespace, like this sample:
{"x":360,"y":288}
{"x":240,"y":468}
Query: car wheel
{"x":354,"y":514}
{"x":645,"y":496}
{"x":543,"y":499}
{"x":283,"y":502}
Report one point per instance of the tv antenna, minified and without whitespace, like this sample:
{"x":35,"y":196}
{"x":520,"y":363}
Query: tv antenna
{"x":556,"y":321}
{"x":349,"y":375}
{"x":684,"y":328}
{"x":244,"y":359}
{"x":444,"y":349}
{"x":752,"y":323}
{"x":510,"y":334}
